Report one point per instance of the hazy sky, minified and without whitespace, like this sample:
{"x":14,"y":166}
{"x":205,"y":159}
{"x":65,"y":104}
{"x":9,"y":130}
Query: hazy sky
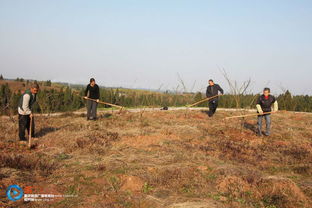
{"x":145,"y":44}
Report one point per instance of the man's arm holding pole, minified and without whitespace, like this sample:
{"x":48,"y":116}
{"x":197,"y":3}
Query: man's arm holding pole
{"x":248,"y":115}
{"x":206,"y":99}
{"x":110,"y":104}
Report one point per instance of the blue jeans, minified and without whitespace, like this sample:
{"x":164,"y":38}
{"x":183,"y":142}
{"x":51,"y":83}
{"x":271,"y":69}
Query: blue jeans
{"x":268,"y":124}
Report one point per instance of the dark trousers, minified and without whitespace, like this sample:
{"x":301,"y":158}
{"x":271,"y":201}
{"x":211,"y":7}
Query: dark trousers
{"x":23,"y":124}
{"x":213,"y":104}
{"x":91,"y":109}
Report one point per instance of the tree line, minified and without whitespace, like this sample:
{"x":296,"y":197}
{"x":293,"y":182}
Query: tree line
{"x":65,"y":98}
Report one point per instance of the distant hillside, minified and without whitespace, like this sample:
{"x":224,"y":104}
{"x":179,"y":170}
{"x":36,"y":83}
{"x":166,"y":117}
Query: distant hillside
{"x":22,"y":85}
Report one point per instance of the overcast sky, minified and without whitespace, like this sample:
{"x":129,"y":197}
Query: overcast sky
{"x":146,"y":44}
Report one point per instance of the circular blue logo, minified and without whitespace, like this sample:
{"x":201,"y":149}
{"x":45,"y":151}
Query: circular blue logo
{"x":14,"y":192}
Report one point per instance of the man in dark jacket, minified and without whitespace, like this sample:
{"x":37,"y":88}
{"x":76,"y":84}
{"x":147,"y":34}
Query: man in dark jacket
{"x":93,"y":92}
{"x":25,"y":103}
{"x":264,"y":105}
{"x":212,"y":90}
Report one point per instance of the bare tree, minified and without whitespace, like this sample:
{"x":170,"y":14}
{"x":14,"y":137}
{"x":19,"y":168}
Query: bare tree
{"x":237,"y":89}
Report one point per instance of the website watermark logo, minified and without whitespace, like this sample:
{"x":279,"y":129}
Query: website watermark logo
{"x":14,"y":192}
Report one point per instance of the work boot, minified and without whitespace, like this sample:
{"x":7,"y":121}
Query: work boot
{"x":23,"y":139}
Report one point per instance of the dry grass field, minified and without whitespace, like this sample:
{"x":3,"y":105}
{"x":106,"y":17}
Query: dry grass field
{"x":161,"y":159}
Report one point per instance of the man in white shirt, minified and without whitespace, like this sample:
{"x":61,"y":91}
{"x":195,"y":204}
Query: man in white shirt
{"x":27,"y":99}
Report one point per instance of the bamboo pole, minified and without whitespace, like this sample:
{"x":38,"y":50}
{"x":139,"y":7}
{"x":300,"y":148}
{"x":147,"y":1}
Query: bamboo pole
{"x":248,"y":115}
{"x":206,"y":99}
{"x":110,"y":104}
{"x":30,"y":130}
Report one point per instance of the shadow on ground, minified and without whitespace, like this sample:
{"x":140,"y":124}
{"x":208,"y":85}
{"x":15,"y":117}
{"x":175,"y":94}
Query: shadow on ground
{"x":46,"y":130}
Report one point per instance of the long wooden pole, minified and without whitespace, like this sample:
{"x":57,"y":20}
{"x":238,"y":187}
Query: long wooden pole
{"x":247,"y":115}
{"x":206,"y":99}
{"x":30,"y":130}
{"x":110,"y":104}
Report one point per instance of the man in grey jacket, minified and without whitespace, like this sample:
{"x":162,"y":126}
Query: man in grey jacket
{"x":27,"y":99}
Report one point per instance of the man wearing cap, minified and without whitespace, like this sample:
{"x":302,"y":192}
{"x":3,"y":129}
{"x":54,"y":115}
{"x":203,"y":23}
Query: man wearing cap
{"x":212,"y":91}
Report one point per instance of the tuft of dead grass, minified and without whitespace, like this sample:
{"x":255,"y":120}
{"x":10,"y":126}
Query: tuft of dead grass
{"x":31,"y":162}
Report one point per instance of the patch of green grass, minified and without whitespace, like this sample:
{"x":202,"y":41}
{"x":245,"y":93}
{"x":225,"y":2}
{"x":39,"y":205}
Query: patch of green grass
{"x":277,"y":169}
{"x":71,"y":190}
{"x":89,"y":167}
{"x":186,"y":190}
{"x":272,"y":201}
{"x":63,"y":156}
{"x":120,"y":170}
{"x":147,"y":188}
{"x":240,"y":200}
{"x":114,"y":182}
{"x":216,"y":196}
{"x":211,"y":177}
{"x":165,"y":142}
{"x":66,"y":202}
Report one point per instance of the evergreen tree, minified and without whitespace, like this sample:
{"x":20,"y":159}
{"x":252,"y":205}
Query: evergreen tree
{"x":5,"y":97}
{"x":286,"y":101}
{"x":48,"y":83}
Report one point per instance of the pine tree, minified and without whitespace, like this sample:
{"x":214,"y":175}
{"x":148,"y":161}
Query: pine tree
{"x":48,"y":83}
{"x":5,"y":97}
{"x":286,"y":101}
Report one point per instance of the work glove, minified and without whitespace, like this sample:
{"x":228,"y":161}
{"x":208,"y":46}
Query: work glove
{"x":259,"y":109}
{"x":275,"y":106}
